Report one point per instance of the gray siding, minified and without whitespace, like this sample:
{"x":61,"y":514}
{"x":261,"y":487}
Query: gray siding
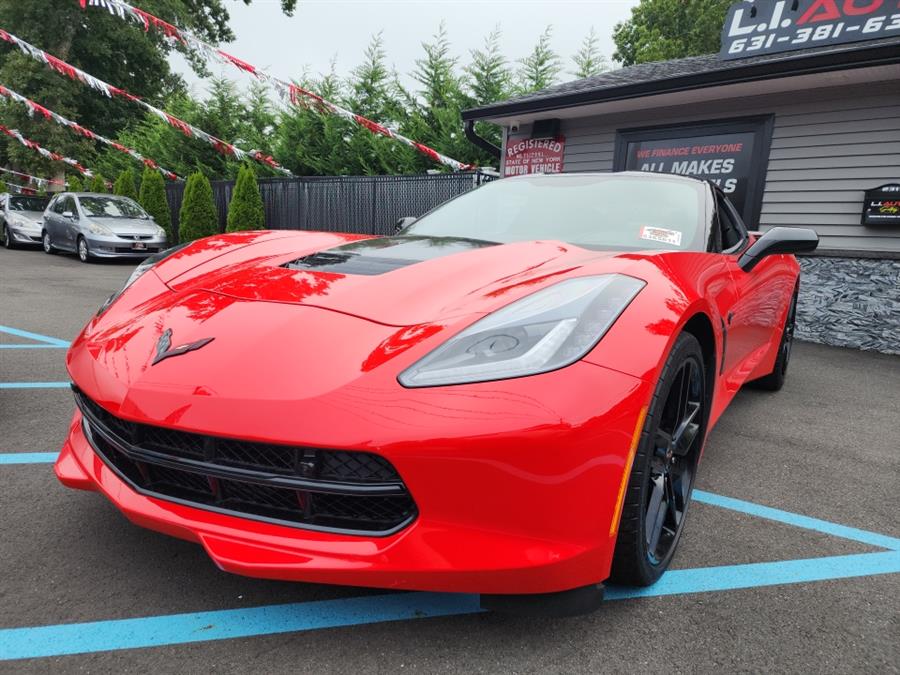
{"x":826,"y":150}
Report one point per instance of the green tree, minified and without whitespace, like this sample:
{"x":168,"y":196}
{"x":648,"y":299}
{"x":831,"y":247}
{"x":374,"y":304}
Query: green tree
{"x":74,"y":184}
{"x":198,"y":217}
{"x":669,"y":29}
{"x":539,"y":69}
{"x":98,"y":184}
{"x":3,"y":187}
{"x":589,"y":61}
{"x":153,"y":199}
{"x":124,"y":185}
{"x":245,"y":212}
{"x":489,"y":80}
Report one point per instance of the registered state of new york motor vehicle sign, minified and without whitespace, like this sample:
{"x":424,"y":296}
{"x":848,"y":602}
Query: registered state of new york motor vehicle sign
{"x":770,"y":26}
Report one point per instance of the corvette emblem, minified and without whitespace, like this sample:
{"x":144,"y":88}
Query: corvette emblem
{"x":164,"y":343}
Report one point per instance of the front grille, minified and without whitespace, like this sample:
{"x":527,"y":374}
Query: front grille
{"x":337,"y":490}
{"x":129,"y":249}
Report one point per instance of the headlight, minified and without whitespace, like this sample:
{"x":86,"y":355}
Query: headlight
{"x":160,"y":233}
{"x":541,"y":332}
{"x":139,"y":271}
{"x":97,"y":228}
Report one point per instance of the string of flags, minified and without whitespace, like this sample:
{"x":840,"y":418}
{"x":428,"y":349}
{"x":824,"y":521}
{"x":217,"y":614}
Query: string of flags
{"x":110,"y":91}
{"x":46,"y":154}
{"x":288,"y":91}
{"x":40,"y":182}
{"x":36,"y":108}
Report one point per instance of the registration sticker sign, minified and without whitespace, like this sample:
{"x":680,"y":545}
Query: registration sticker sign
{"x":661,"y":234}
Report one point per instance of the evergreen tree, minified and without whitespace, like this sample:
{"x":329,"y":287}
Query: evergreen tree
{"x":3,"y":187}
{"x":588,"y":60}
{"x":198,"y":217}
{"x":74,"y":184}
{"x":489,"y":80}
{"x":124,"y":185}
{"x":98,"y":184}
{"x":153,"y":199}
{"x":539,"y":69}
{"x":245,"y":212}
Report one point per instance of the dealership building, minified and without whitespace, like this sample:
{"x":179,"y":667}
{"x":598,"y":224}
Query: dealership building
{"x":797,"y":137}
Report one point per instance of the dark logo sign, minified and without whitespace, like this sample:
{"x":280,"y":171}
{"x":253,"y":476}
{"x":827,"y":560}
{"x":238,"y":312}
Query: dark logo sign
{"x":769,"y":26}
{"x":725,"y":159}
{"x":534,"y":155}
{"x":882,"y":206}
{"x":164,"y":344}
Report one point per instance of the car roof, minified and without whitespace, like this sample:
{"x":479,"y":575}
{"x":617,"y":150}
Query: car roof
{"x":643,"y":175}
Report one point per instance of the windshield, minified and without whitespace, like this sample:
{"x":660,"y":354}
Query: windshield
{"x":28,"y":203}
{"x":111,"y":207}
{"x":620,"y":212}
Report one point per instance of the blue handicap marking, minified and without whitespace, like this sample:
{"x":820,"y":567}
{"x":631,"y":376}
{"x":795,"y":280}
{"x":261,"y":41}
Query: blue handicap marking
{"x":40,"y":341}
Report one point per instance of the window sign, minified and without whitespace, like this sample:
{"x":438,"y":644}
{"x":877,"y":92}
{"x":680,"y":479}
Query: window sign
{"x":730,"y":154}
{"x":534,"y":155}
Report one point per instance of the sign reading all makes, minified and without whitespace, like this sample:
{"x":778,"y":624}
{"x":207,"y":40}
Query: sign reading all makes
{"x":534,"y":155}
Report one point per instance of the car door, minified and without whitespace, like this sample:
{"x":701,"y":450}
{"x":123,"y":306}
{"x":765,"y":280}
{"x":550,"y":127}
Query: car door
{"x":68,"y":224}
{"x":51,"y":214}
{"x":760,"y":299}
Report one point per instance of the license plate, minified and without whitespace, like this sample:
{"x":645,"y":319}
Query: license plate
{"x":139,"y":246}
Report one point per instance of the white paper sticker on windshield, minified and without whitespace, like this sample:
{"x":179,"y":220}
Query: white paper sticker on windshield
{"x":661,"y":234}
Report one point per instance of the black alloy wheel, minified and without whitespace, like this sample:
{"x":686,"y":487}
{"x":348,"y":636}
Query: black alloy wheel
{"x":662,"y":474}
{"x":775,"y":380}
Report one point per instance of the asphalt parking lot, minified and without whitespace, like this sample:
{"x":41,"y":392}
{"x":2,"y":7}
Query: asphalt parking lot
{"x":790,"y":559}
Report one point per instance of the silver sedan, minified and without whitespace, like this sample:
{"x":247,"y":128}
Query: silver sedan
{"x":100,"y":226}
{"x":21,"y":219}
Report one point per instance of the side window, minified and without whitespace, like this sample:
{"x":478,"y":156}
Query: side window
{"x":58,"y":204}
{"x":731,"y":227}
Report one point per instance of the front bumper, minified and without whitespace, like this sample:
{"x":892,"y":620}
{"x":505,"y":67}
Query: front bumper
{"x":24,"y":235}
{"x":122,"y":247}
{"x":513,"y":503}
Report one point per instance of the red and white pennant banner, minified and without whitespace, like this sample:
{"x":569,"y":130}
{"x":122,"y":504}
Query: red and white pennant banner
{"x":46,"y":154}
{"x":288,"y":91}
{"x":109,"y":90}
{"x":36,"y":179}
{"x":83,"y":131}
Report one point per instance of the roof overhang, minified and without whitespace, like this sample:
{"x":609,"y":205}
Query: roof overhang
{"x":828,"y":68}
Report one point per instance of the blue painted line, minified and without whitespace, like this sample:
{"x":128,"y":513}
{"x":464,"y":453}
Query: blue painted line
{"x":797,"y":520}
{"x":28,"y":457}
{"x":46,"y":339}
{"x":34,"y":385}
{"x":30,"y":346}
{"x":156,"y":631}
{"x":754,"y":575}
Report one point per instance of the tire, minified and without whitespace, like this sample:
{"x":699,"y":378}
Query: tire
{"x":84,"y":253}
{"x":662,"y":474}
{"x":47,"y":243}
{"x":7,"y":238}
{"x":774,"y":381}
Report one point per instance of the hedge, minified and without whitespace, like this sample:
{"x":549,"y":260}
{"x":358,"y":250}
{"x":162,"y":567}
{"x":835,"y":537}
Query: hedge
{"x":245,"y":212}
{"x":153,"y":199}
{"x":198,"y":217}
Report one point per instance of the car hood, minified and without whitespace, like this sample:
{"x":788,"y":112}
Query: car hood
{"x":33,"y":218}
{"x":396,"y":281}
{"x":127,"y":225}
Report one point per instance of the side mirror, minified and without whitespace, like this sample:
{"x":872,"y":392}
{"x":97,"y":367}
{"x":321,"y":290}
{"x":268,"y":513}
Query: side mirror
{"x":779,"y":240}
{"x":403,"y":223}
{"x":68,"y":215}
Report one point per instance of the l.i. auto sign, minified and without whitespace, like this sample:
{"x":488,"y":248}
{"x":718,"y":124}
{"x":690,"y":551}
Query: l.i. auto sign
{"x":769,"y":26}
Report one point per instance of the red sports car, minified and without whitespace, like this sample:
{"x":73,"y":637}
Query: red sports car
{"x":508,"y":397}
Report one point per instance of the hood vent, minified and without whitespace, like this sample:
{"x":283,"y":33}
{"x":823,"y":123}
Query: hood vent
{"x":371,"y":257}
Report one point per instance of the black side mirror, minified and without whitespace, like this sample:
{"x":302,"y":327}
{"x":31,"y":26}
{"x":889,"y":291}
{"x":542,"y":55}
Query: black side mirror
{"x":779,"y":240}
{"x":403,"y":223}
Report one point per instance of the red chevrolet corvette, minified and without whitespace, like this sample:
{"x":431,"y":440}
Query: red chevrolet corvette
{"x":508,"y":397}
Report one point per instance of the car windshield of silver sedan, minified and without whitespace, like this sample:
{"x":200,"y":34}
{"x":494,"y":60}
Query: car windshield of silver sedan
{"x":617,"y":212}
{"x":27,"y":203}
{"x":111,"y":207}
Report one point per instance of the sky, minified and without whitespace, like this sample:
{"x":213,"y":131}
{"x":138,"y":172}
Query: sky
{"x":322,"y":30}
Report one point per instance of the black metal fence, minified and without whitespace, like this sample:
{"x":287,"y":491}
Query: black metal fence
{"x":362,"y":204}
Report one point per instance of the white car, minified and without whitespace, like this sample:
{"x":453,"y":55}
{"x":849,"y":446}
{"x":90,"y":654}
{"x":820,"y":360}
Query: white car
{"x":21,"y":219}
